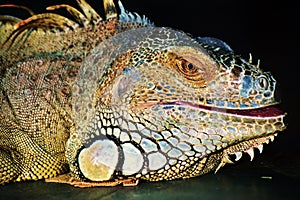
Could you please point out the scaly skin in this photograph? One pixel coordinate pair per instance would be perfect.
(95, 102)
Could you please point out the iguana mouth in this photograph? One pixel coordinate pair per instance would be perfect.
(267, 111)
(248, 147)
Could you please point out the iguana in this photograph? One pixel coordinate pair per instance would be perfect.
(100, 102)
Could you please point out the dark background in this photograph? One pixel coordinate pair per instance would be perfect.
(267, 30)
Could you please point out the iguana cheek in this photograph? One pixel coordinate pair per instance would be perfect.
(98, 162)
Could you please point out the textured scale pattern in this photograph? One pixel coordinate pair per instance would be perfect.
(113, 101)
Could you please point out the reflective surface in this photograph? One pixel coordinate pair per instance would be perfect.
(243, 181)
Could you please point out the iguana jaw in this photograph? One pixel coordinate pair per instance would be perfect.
(244, 147)
(224, 155)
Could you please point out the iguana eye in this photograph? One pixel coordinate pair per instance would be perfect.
(192, 64)
(187, 68)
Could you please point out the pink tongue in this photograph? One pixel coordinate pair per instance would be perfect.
(270, 111)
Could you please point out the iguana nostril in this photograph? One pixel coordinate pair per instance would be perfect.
(262, 83)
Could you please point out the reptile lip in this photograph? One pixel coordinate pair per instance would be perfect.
(268, 111)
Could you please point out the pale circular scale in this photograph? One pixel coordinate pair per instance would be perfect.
(172, 162)
(214, 137)
(166, 134)
(124, 125)
(217, 142)
(136, 137)
(167, 167)
(119, 121)
(189, 153)
(103, 131)
(113, 122)
(116, 132)
(193, 141)
(206, 141)
(156, 136)
(183, 137)
(98, 161)
(104, 122)
(156, 161)
(146, 132)
(184, 146)
(183, 157)
(210, 147)
(221, 132)
(197, 155)
(175, 131)
(140, 127)
(208, 152)
(109, 122)
(174, 153)
(144, 171)
(202, 136)
(199, 148)
(173, 141)
(164, 146)
(132, 126)
(133, 159)
(184, 129)
(109, 131)
(148, 145)
(124, 137)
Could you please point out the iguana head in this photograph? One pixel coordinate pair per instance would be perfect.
(158, 104)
